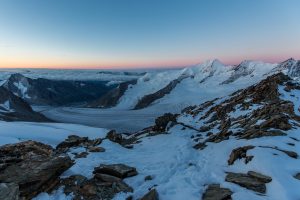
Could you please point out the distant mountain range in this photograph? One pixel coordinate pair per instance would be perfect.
(172, 90)
(176, 89)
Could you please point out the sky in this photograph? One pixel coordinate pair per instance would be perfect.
(146, 33)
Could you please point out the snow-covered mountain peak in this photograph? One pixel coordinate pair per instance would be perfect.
(290, 67)
(212, 66)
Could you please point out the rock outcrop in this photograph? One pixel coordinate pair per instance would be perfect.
(252, 180)
(117, 170)
(77, 141)
(105, 184)
(240, 153)
(215, 192)
(254, 112)
(32, 166)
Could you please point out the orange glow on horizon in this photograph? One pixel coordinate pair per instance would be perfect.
(127, 64)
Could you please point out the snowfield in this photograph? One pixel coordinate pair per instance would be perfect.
(182, 172)
(48, 133)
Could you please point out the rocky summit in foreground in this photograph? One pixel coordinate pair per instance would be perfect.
(243, 146)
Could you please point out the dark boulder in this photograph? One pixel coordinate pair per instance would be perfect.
(33, 166)
(215, 192)
(252, 180)
(118, 170)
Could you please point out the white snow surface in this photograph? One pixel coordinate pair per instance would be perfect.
(181, 172)
(48, 133)
(204, 82)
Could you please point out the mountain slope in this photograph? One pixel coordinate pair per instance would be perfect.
(203, 82)
(54, 92)
(241, 146)
(13, 108)
(112, 97)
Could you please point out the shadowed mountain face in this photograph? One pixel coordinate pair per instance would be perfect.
(54, 92)
(13, 108)
(112, 97)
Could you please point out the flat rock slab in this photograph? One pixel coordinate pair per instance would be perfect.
(118, 170)
(215, 192)
(252, 180)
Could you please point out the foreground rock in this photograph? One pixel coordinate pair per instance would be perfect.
(32, 166)
(239, 153)
(162, 122)
(76, 141)
(252, 180)
(215, 192)
(9, 191)
(105, 184)
(117, 170)
(151, 195)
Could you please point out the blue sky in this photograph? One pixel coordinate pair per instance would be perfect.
(145, 33)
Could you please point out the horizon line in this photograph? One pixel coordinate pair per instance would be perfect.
(141, 67)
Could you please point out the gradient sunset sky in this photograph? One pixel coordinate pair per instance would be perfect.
(146, 33)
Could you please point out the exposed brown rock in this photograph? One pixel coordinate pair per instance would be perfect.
(271, 115)
(215, 192)
(239, 153)
(77, 141)
(33, 166)
(162, 121)
(252, 180)
(114, 136)
(95, 188)
(72, 141)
